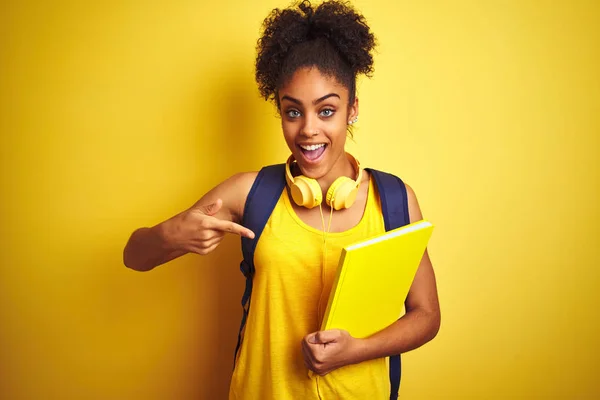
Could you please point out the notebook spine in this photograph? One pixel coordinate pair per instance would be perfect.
(334, 295)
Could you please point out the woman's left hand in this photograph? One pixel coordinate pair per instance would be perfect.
(327, 350)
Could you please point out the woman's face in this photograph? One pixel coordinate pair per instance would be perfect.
(314, 116)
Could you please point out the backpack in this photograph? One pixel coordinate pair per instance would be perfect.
(262, 198)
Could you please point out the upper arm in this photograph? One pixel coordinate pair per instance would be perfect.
(423, 292)
(233, 192)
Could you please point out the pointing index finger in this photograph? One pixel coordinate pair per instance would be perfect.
(232, 227)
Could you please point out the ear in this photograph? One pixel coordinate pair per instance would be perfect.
(353, 110)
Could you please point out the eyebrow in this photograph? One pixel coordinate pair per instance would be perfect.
(317, 101)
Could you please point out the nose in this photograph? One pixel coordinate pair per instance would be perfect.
(310, 127)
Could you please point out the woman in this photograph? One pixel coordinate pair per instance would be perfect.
(307, 63)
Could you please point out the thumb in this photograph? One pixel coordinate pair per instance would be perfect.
(211, 209)
(324, 337)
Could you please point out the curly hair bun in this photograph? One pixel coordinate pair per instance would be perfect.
(331, 36)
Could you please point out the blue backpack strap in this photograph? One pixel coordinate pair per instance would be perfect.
(261, 201)
(394, 206)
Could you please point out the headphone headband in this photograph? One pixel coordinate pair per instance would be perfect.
(355, 164)
(307, 192)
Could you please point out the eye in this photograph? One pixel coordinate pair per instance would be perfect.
(327, 112)
(293, 113)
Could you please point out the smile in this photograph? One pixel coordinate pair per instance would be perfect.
(312, 147)
(313, 152)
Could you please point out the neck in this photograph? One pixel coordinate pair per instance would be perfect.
(342, 167)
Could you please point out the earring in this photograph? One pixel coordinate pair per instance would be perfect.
(353, 121)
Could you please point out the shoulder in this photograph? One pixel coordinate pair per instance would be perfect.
(233, 192)
(243, 184)
(238, 187)
(243, 181)
(414, 210)
(239, 184)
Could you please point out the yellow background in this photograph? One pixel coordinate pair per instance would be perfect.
(118, 115)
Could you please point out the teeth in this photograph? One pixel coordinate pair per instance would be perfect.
(312, 147)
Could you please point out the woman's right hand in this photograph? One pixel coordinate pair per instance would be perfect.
(198, 229)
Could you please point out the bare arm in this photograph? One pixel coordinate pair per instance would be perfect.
(198, 229)
(421, 322)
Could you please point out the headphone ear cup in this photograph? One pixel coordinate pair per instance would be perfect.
(306, 192)
(342, 192)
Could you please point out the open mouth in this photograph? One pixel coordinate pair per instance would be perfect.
(314, 151)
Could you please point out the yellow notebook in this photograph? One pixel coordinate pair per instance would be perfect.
(373, 280)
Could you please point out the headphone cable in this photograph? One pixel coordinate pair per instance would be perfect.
(324, 263)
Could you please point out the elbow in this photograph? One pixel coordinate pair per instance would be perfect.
(430, 323)
(130, 262)
(436, 323)
(136, 267)
(428, 319)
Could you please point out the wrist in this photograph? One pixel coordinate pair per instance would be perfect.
(368, 348)
(361, 350)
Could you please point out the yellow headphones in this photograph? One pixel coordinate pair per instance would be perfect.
(306, 191)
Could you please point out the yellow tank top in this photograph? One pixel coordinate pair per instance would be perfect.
(284, 308)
